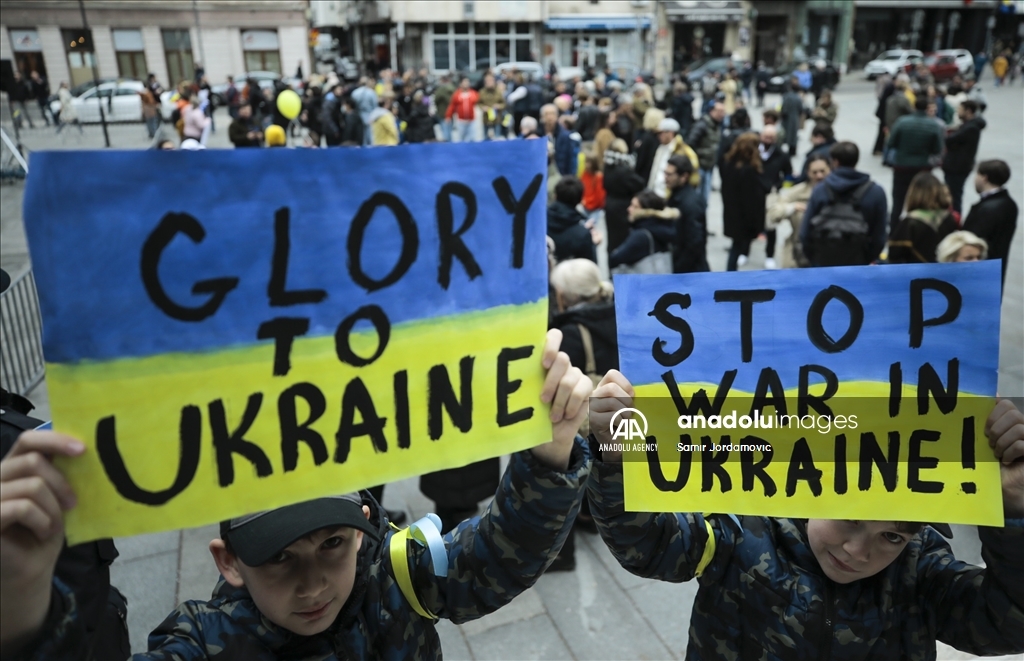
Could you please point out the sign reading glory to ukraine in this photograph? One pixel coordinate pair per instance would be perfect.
(841, 393)
(230, 331)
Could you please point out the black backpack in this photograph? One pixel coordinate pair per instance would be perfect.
(839, 233)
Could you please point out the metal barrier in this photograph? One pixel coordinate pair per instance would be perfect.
(21, 335)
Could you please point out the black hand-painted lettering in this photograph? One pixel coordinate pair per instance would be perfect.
(751, 469)
(672, 322)
(929, 383)
(357, 399)
(967, 453)
(916, 462)
(170, 226)
(895, 389)
(954, 301)
(506, 387)
(712, 465)
(292, 433)
(401, 387)
(658, 479)
(805, 400)
(441, 395)
(816, 332)
(407, 229)
(746, 298)
(277, 290)
(841, 480)
(451, 239)
(801, 467)
(283, 331)
(518, 209)
(699, 404)
(227, 443)
(189, 437)
(767, 380)
(887, 463)
(343, 347)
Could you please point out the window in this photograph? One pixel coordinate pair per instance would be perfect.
(131, 60)
(28, 52)
(78, 45)
(178, 49)
(479, 46)
(262, 51)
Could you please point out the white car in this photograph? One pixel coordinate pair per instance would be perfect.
(534, 70)
(893, 62)
(120, 99)
(964, 59)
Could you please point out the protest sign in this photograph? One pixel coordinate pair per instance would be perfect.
(846, 393)
(229, 331)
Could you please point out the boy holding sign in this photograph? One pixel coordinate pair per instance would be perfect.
(806, 589)
(317, 579)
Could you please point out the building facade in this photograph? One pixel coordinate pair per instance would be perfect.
(131, 38)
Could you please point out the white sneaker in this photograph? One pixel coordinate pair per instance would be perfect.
(741, 261)
(769, 264)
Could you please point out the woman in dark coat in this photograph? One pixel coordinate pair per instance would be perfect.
(621, 184)
(743, 197)
(420, 124)
(586, 316)
(927, 221)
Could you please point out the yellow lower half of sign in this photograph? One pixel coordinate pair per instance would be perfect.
(181, 440)
(860, 463)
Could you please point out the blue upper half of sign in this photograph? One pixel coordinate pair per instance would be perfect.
(779, 329)
(89, 214)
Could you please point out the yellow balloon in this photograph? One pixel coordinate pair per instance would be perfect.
(289, 104)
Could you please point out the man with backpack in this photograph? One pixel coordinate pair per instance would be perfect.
(845, 221)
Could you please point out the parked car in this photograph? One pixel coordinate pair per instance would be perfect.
(567, 74)
(964, 59)
(943, 67)
(79, 90)
(265, 79)
(534, 70)
(120, 99)
(780, 77)
(695, 73)
(893, 62)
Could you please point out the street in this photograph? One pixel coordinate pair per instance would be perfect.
(598, 611)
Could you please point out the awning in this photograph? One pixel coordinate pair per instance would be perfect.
(704, 11)
(598, 22)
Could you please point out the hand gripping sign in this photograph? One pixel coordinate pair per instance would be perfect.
(850, 393)
(233, 331)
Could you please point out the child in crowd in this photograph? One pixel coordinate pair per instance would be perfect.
(318, 579)
(824, 589)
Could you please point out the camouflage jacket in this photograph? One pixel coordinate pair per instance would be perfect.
(491, 559)
(762, 594)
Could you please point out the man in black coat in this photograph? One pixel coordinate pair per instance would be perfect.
(822, 137)
(994, 216)
(689, 252)
(566, 225)
(961, 148)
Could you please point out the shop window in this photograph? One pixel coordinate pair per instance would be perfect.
(502, 51)
(461, 28)
(501, 28)
(178, 50)
(462, 54)
(440, 28)
(442, 58)
(483, 54)
(522, 28)
(28, 52)
(523, 50)
(78, 45)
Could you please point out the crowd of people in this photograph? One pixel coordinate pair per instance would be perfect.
(632, 173)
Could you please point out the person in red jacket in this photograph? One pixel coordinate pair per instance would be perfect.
(593, 186)
(463, 108)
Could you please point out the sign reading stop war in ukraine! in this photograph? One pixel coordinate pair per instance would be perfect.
(845, 393)
(229, 331)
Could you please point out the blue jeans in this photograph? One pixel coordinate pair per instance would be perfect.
(705, 184)
(446, 129)
(464, 129)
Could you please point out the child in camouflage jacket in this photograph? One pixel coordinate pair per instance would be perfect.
(332, 593)
(823, 589)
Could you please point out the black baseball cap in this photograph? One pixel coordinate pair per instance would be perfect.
(943, 529)
(256, 538)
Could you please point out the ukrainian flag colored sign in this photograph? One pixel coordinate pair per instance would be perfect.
(230, 331)
(843, 393)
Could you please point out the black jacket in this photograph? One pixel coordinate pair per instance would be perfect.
(994, 218)
(599, 318)
(962, 146)
(821, 150)
(572, 239)
(918, 235)
(743, 200)
(352, 131)
(649, 144)
(689, 251)
(621, 184)
(648, 224)
(776, 169)
(587, 122)
(682, 111)
(420, 126)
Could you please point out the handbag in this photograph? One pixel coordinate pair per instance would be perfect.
(655, 262)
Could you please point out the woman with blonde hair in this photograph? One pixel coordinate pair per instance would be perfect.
(743, 197)
(926, 221)
(962, 246)
(586, 316)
